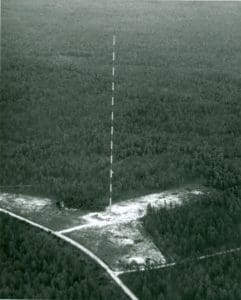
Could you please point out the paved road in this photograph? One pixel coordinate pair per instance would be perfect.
(100, 262)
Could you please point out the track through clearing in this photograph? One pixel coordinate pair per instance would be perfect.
(100, 262)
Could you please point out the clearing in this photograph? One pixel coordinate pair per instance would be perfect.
(117, 237)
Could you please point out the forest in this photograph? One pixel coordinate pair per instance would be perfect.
(36, 265)
(200, 226)
(177, 111)
(177, 122)
(216, 278)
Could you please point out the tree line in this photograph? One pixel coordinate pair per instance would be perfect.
(36, 265)
(216, 278)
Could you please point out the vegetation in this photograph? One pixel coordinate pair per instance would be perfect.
(47, 268)
(177, 121)
(204, 225)
(177, 111)
(217, 278)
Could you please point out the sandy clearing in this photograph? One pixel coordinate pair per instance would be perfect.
(117, 236)
(89, 253)
(41, 210)
(169, 265)
(118, 244)
(24, 203)
(130, 210)
(120, 232)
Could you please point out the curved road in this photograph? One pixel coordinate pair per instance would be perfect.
(100, 262)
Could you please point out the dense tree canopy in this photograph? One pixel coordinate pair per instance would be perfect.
(216, 278)
(177, 121)
(36, 265)
(177, 110)
(203, 224)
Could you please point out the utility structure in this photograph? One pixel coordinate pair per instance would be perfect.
(112, 119)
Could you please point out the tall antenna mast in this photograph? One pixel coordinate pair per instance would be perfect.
(112, 118)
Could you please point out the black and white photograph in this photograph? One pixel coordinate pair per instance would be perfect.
(120, 150)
